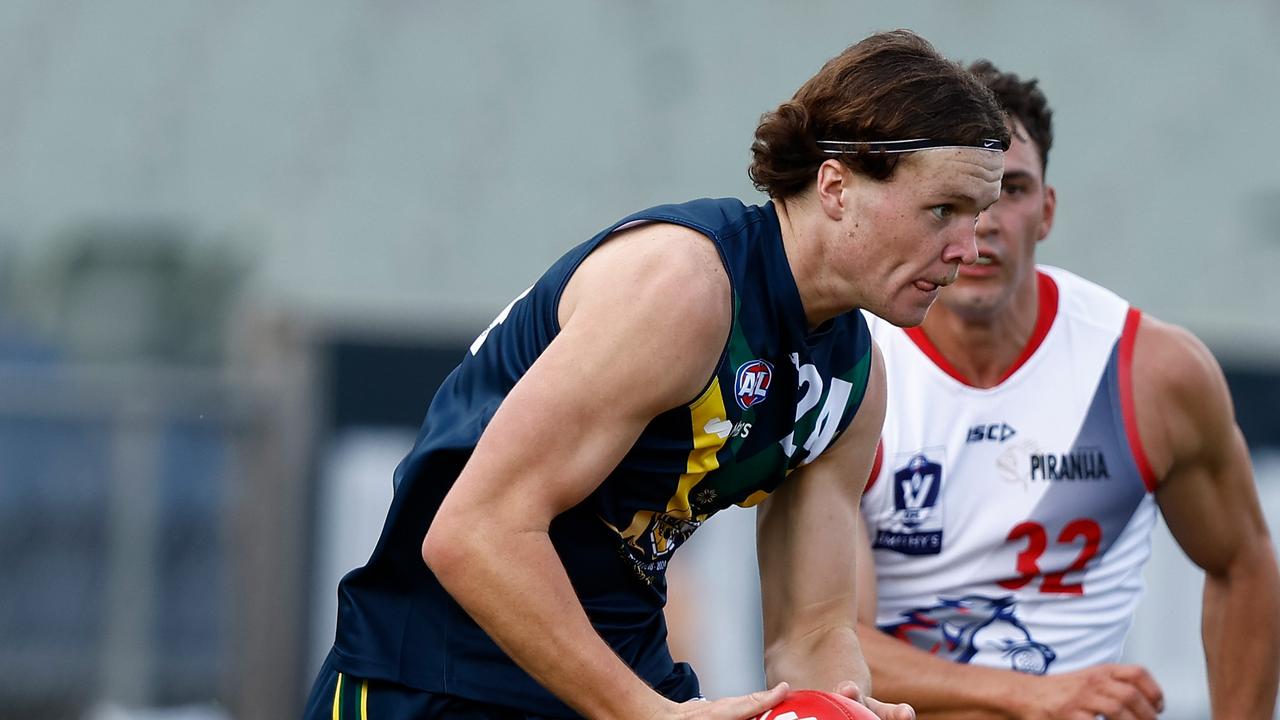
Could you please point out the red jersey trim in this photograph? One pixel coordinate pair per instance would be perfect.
(875, 466)
(1127, 406)
(1045, 314)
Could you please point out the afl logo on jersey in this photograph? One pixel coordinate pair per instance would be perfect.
(752, 383)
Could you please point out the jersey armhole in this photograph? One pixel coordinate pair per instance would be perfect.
(1128, 407)
(553, 310)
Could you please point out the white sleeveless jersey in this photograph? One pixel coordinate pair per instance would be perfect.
(1010, 524)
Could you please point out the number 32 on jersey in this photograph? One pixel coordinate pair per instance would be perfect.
(1037, 539)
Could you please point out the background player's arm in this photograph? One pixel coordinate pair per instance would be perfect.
(644, 321)
(1208, 498)
(940, 689)
(807, 569)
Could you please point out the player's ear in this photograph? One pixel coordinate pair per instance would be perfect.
(1050, 205)
(833, 180)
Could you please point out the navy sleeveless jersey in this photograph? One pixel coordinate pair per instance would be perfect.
(779, 397)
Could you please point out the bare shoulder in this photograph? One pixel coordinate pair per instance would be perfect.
(1174, 358)
(657, 268)
(1198, 454)
(657, 295)
(1180, 394)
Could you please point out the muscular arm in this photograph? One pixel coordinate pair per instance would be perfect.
(628, 321)
(807, 568)
(1207, 495)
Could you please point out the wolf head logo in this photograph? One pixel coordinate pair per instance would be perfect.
(958, 628)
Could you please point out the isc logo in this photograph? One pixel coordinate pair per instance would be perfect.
(996, 432)
(752, 382)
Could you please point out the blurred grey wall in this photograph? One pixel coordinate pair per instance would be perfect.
(416, 164)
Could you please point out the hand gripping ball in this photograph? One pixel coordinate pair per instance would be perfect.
(817, 705)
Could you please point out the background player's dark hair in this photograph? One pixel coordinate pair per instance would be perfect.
(890, 86)
(1021, 99)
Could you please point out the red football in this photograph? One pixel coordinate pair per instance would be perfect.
(817, 705)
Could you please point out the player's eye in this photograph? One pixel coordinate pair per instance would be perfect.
(942, 212)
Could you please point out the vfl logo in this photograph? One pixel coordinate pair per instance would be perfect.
(915, 490)
(960, 628)
(916, 525)
(752, 383)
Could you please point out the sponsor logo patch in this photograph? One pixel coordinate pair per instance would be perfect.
(995, 432)
(1079, 464)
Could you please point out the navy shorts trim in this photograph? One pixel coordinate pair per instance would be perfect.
(340, 696)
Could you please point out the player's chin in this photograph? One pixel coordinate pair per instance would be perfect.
(908, 314)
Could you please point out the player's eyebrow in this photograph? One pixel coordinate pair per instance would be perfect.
(957, 196)
(1017, 175)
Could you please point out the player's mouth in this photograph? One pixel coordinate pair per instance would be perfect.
(987, 256)
(930, 286)
(987, 265)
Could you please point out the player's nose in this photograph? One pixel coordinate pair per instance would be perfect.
(962, 248)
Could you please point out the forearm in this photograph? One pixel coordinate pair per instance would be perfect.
(518, 592)
(1241, 629)
(933, 686)
(818, 660)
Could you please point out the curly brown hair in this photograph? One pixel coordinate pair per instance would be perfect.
(891, 86)
(1023, 100)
